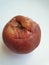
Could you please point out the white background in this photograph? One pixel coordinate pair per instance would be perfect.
(38, 10)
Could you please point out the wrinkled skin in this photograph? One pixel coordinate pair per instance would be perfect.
(21, 34)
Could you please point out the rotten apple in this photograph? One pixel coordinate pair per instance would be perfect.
(21, 34)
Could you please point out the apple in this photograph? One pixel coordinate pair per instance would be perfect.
(21, 34)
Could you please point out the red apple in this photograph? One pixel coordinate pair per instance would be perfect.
(21, 34)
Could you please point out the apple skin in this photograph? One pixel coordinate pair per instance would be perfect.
(21, 34)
